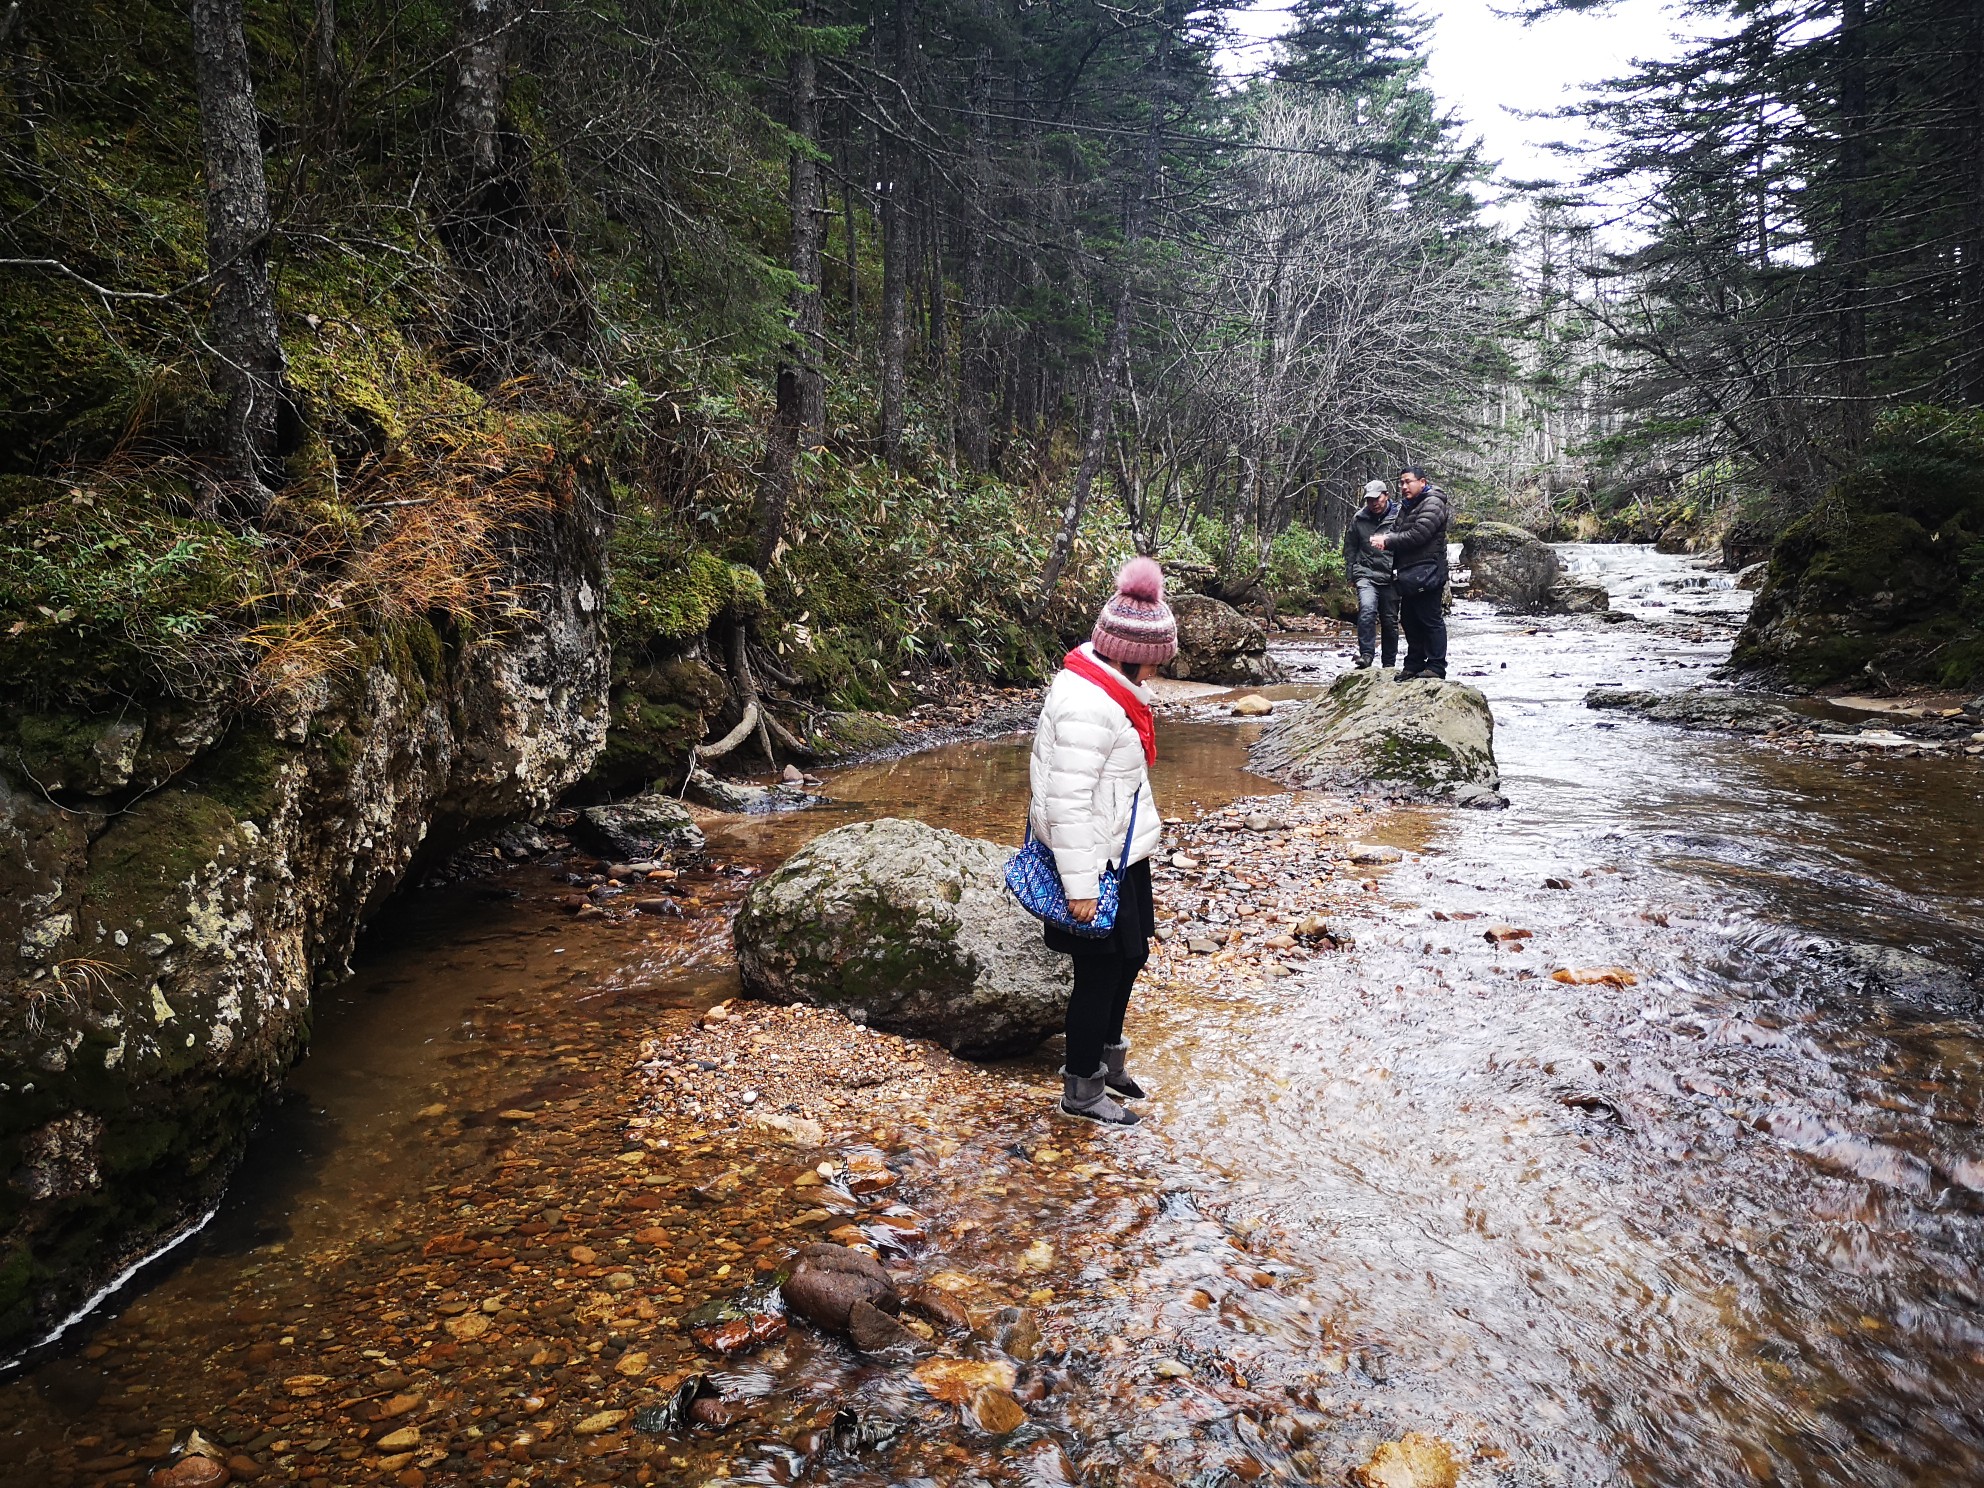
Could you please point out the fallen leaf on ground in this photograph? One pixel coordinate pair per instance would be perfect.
(1593, 976)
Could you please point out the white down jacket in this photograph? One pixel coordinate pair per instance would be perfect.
(1087, 764)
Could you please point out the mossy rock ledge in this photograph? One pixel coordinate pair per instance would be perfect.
(175, 883)
(909, 928)
(1425, 739)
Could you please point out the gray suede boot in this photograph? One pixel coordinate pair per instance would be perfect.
(1087, 1096)
(1120, 1084)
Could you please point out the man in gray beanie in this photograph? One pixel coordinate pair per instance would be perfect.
(1370, 569)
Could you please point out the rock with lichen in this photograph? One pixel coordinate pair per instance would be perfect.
(1426, 738)
(178, 877)
(909, 928)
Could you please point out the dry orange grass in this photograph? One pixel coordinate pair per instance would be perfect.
(426, 533)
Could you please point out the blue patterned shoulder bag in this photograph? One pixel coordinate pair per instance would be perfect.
(1033, 878)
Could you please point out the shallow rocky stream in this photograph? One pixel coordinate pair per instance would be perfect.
(1722, 1224)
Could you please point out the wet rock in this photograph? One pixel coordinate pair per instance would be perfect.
(1509, 565)
(874, 1331)
(190, 1472)
(824, 1282)
(905, 927)
(1425, 737)
(1478, 798)
(1216, 643)
(1751, 577)
(996, 1412)
(1573, 597)
(956, 1381)
(695, 1402)
(643, 827)
(750, 800)
(939, 1306)
(1700, 707)
(600, 1422)
(800, 1131)
(1017, 1334)
(1253, 705)
(1416, 1460)
(1369, 856)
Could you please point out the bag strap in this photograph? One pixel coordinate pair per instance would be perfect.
(1123, 858)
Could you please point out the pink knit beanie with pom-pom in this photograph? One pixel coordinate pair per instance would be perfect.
(1137, 625)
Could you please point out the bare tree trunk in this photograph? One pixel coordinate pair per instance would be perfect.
(1973, 289)
(852, 245)
(1116, 354)
(938, 344)
(1851, 244)
(801, 405)
(974, 372)
(242, 324)
(896, 259)
(895, 314)
(324, 48)
(478, 102)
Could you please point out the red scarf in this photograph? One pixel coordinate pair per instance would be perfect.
(1112, 682)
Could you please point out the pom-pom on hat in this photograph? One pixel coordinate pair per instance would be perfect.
(1137, 625)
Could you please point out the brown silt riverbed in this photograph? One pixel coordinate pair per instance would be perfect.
(1684, 1185)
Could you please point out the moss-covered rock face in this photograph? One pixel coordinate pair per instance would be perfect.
(1884, 582)
(909, 928)
(176, 880)
(1426, 737)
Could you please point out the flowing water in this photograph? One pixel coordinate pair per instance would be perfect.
(1723, 1224)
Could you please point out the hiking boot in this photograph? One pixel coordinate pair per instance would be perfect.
(1087, 1096)
(1363, 662)
(1119, 1082)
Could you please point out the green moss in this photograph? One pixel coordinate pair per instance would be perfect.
(106, 594)
(244, 773)
(662, 588)
(146, 853)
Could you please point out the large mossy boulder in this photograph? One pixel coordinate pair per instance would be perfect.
(1509, 565)
(905, 927)
(1882, 584)
(1424, 738)
(1216, 643)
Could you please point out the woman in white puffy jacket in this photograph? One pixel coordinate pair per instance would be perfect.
(1090, 772)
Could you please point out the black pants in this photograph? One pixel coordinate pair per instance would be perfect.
(1106, 972)
(1424, 620)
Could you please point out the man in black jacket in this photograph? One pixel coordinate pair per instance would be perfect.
(1418, 546)
(1370, 569)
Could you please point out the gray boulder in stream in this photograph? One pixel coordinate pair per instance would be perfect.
(1700, 708)
(1216, 643)
(905, 927)
(1509, 565)
(1426, 737)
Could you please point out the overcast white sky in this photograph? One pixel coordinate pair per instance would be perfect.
(1483, 66)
